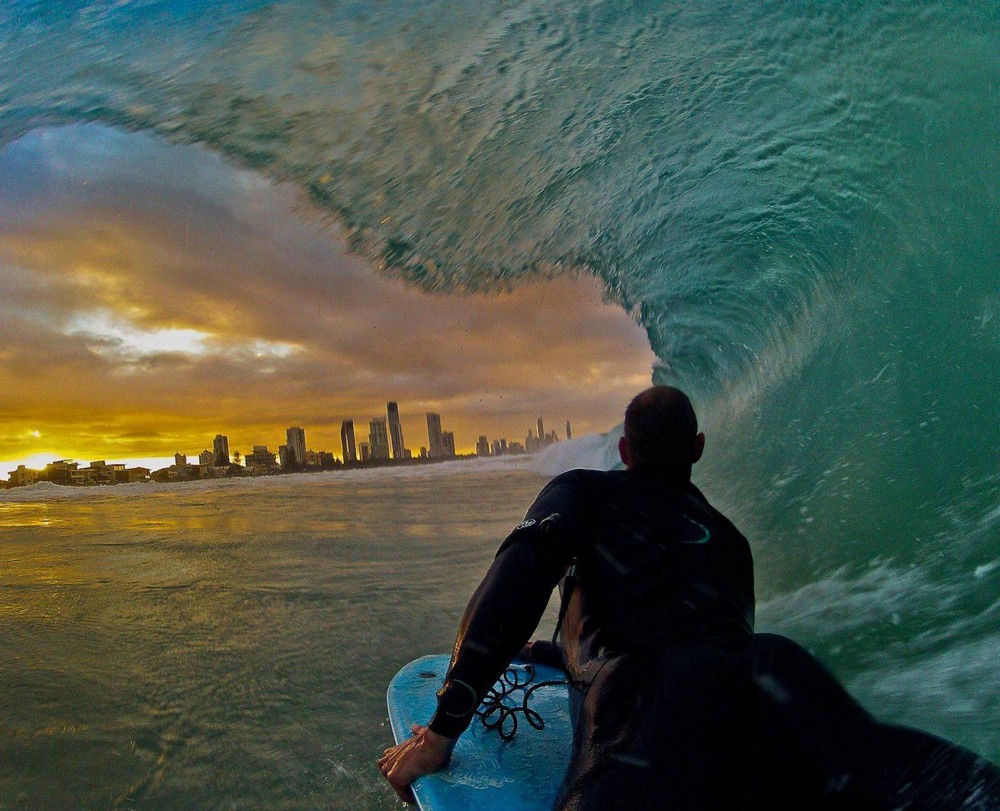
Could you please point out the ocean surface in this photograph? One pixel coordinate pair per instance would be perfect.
(799, 202)
(228, 645)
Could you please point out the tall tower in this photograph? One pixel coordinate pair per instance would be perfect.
(296, 439)
(220, 447)
(347, 440)
(541, 430)
(447, 443)
(378, 438)
(569, 430)
(435, 446)
(395, 430)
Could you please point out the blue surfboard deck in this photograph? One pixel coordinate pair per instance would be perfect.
(487, 773)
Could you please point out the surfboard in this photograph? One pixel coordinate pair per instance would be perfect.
(518, 771)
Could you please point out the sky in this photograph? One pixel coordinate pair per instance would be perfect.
(153, 296)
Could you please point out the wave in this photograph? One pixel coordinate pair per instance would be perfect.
(593, 451)
(798, 203)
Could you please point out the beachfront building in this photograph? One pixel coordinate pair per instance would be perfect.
(447, 443)
(534, 443)
(261, 461)
(23, 476)
(101, 472)
(483, 446)
(347, 441)
(378, 438)
(435, 446)
(63, 471)
(296, 439)
(220, 447)
(395, 431)
(67, 472)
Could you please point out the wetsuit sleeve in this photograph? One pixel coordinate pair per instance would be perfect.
(507, 606)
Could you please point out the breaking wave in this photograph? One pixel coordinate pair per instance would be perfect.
(798, 204)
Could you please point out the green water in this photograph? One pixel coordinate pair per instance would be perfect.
(228, 646)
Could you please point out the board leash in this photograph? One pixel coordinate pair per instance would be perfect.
(503, 717)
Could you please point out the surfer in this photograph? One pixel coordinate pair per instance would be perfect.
(675, 702)
(656, 627)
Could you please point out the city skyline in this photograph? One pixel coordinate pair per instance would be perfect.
(135, 325)
(294, 453)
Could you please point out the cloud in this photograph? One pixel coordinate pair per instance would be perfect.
(153, 294)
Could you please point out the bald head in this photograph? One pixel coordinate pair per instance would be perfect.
(661, 430)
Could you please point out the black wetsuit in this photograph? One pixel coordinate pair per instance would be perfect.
(676, 703)
(656, 637)
(818, 748)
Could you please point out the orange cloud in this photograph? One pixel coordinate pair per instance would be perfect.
(143, 315)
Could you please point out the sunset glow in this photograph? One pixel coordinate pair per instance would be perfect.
(137, 325)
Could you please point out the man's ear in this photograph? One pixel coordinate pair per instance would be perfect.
(699, 448)
(625, 452)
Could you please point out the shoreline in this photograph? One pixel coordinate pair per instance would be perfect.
(471, 464)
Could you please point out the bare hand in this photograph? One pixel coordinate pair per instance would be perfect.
(422, 753)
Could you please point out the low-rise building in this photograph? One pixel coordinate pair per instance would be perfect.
(23, 476)
(261, 462)
(103, 473)
(64, 471)
(133, 474)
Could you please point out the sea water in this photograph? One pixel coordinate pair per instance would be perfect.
(228, 645)
(797, 201)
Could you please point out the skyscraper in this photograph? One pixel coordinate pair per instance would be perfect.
(541, 430)
(435, 446)
(447, 443)
(395, 430)
(378, 438)
(347, 440)
(296, 439)
(483, 447)
(220, 448)
(569, 430)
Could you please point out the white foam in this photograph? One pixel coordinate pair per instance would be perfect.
(986, 568)
(844, 601)
(953, 692)
(593, 451)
